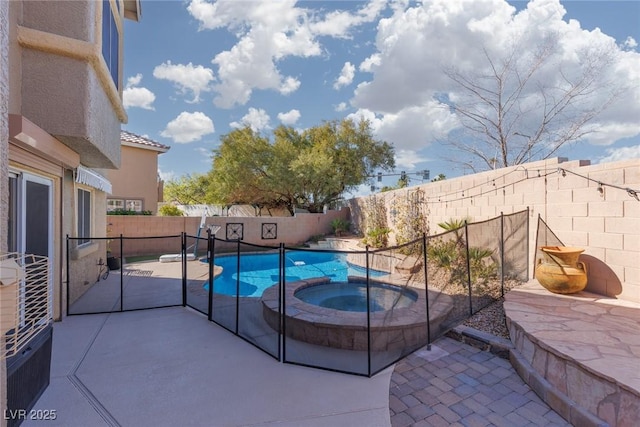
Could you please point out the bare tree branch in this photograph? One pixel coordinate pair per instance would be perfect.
(515, 109)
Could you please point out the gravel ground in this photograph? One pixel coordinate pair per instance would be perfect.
(491, 320)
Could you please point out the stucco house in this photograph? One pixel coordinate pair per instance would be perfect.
(61, 110)
(136, 185)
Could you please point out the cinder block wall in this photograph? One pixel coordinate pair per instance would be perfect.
(606, 224)
(289, 230)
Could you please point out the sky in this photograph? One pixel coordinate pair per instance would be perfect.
(196, 70)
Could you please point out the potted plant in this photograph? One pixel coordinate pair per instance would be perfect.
(112, 262)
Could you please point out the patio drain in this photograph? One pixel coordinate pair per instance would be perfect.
(139, 273)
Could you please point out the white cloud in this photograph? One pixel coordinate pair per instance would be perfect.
(412, 128)
(289, 85)
(623, 153)
(188, 127)
(187, 78)
(133, 96)
(338, 24)
(205, 155)
(630, 43)
(420, 40)
(369, 64)
(256, 119)
(167, 175)
(289, 118)
(269, 31)
(134, 80)
(346, 76)
(341, 107)
(408, 159)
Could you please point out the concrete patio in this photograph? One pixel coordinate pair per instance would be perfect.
(171, 366)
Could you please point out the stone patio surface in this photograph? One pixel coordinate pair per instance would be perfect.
(579, 351)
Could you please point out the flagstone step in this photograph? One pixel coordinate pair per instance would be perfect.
(579, 352)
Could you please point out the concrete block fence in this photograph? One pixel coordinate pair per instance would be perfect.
(268, 231)
(579, 202)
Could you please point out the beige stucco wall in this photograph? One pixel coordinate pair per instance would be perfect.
(137, 177)
(4, 166)
(607, 225)
(54, 39)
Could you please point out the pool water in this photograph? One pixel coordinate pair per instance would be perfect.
(353, 296)
(260, 271)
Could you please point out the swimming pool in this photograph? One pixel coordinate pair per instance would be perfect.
(260, 271)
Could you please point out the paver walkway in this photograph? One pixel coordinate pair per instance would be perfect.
(455, 384)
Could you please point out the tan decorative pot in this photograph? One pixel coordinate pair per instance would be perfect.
(560, 271)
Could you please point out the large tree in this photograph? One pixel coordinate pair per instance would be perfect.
(524, 105)
(306, 169)
(186, 190)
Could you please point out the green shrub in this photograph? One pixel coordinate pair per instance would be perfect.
(170, 210)
(128, 212)
(481, 269)
(443, 253)
(340, 225)
(377, 237)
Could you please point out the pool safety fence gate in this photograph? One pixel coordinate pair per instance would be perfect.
(352, 311)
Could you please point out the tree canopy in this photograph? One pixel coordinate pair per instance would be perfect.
(307, 169)
(186, 190)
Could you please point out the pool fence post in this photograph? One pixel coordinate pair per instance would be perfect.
(210, 254)
(284, 302)
(238, 286)
(68, 274)
(466, 238)
(368, 314)
(501, 254)
(280, 303)
(426, 288)
(121, 274)
(527, 240)
(183, 249)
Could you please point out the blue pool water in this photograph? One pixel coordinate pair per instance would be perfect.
(353, 296)
(260, 271)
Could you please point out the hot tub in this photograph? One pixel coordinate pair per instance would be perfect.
(398, 322)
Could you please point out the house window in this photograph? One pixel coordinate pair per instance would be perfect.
(84, 216)
(134, 205)
(114, 204)
(110, 40)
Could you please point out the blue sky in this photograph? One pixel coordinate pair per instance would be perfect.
(195, 70)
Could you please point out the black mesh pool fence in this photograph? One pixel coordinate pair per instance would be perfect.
(356, 311)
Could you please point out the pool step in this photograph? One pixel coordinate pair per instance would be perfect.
(335, 243)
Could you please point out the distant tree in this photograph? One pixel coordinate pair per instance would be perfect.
(170, 210)
(525, 106)
(403, 181)
(187, 190)
(440, 177)
(306, 170)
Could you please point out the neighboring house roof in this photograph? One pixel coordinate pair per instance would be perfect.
(133, 140)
